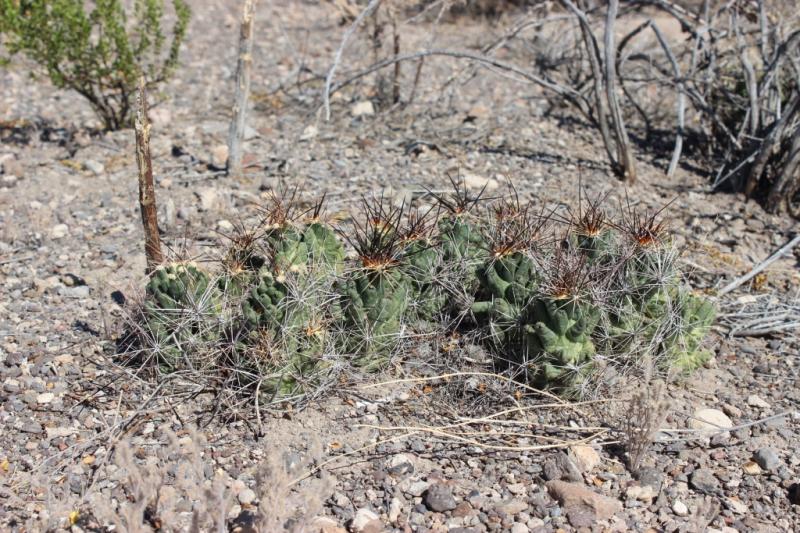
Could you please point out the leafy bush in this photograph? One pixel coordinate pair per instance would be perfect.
(99, 53)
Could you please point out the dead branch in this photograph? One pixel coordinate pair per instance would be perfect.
(147, 194)
(243, 68)
(760, 267)
(373, 4)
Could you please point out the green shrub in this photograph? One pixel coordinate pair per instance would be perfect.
(99, 53)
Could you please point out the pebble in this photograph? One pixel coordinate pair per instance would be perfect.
(680, 509)
(366, 521)
(439, 498)
(756, 401)
(704, 481)
(767, 458)
(95, 167)
(364, 108)
(219, 156)
(246, 497)
(585, 457)
(59, 231)
(710, 421)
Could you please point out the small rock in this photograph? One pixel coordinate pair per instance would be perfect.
(756, 401)
(246, 497)
(516, 488)
(439, 498)
(361, 109)
(475, 182)
(219, 156)
(794, 494)
(560, 466)
(160, 117)
(399, 465)
(210, 198)
(731, 410)
(643, 493)
(366, 521)
(585, 457)
(737, 506)
(225, 226)
(12, 167)
(417, 488)
(703, 480)
(95, 167)
(395, 508)
(751, 468)
(511, 507)
(519, 528)
(767, 458)
(309, 133)
(59, 231)
(577, 500)
(8, 180)
(45, 397)
(680, 509)
(710, 421)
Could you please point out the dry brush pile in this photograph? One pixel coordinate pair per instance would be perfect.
(557, 298)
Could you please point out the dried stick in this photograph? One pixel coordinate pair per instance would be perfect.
(768, 146)
(624, 155)
(593, 52)
(147, 194)
(338, 57)
(568, 93)
(676, 152)
(243, 68)
(760, 267)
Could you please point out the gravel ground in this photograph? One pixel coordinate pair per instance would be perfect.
(71, 253)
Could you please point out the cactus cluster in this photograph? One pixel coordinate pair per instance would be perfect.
(552, 295)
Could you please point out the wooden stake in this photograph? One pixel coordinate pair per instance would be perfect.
(147, 194)
(236, 132)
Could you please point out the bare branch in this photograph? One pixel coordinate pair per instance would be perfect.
(147, 194)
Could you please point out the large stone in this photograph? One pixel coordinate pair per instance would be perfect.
(581, 503)
(710, 421)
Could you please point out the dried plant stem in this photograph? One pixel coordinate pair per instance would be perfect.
(243, 68)
(760, 267)
(147, 194)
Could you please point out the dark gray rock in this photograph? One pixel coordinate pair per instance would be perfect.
(439, 498)
(703, 480)
(768, 459)
(560, 466)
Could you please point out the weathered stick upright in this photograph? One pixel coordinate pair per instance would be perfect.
(147, 194)
(236, 132)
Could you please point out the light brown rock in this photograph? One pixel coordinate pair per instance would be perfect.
(585, 457)
(577, 498)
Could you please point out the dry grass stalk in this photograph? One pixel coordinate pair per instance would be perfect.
(645, 414)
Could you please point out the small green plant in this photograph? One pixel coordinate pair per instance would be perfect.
(99, 53)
